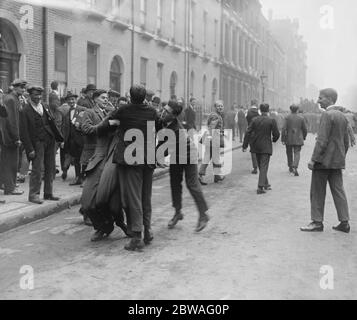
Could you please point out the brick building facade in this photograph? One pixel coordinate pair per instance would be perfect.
(189, 48)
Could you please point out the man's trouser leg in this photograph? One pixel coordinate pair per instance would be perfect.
(133, 182)
(289, 154)
(263, 163)
(335, 180)
(146, 196)
(241, 133)
(254, 161)
(176, 177)
(318, 194)
(194, 187)
(10, 158)
(206, 159)
(37, 168)
(297, 151)
(49, 166)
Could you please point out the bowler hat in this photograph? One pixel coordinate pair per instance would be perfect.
(90, 87)
(35, 89)
(70, 95)
(19, 83)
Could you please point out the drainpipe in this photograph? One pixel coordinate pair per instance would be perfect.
(44, 51)
(132, 43)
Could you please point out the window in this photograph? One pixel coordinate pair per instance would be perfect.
(143, 7)
(192, 22)
(227, 41)
(205, 14)
(61, 61)
(143, 71)
(214, 91)
(160, 69)
(115, 74)
(192, 84)
(235, 47)
(159, 15)
(215, 35)
(92, 61)
(204, 89)
(173, 18)
(173, 83)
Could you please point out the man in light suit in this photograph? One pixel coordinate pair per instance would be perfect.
(253, 112)
(327, 162)
(294, 134)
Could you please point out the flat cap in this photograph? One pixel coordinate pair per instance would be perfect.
(98, 93)
(35, 89)
(19, 83)
(70, 95)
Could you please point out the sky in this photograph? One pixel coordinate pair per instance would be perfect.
(332, 52)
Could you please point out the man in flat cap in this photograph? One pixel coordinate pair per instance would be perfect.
(11, 141)
(73, 136)
(39, 135)
(88, 101)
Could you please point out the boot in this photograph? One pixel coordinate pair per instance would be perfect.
(135, 243)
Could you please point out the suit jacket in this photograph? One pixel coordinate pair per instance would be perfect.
(28, 132)
(252, 113)
(136, 116)
(190, 118)
(294, 131)
(89, 126)
(332, 141)
(260, 134)
(242, 121)
(73, 137)
(10, 125)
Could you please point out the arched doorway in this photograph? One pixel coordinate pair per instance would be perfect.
(173, 84)
(116, 71)
(9, 55)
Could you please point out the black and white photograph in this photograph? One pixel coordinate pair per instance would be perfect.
(178, 150)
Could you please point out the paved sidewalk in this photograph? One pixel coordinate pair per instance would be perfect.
(17, 211)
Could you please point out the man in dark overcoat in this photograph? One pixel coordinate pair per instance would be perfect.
(88, 100)
(10, 142)
(39, 134)
(260, 134)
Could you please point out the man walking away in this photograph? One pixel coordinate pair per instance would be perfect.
(327, 162)
(261, 133)
(294, 134)
(253, 112)
(242, 124)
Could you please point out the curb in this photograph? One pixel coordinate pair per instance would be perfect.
(15, 219)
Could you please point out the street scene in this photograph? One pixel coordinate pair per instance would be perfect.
(177, 150)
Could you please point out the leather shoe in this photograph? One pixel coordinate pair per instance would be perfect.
(313, 227)
(343, 227)
(255, 171)
(135, 244)
(77, 182)
(291, 170)
(64, 175)
(14, 193)
(51, 197)
(218, 179)
(202, 222)
(36, 200)
(200, 179)
(261, 191)
(173, 222)
(296, 173)
(268, 188)
(148, 236)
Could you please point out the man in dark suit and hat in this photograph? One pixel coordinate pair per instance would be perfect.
(262, 131)
(88, 101)
(10, 138)
(39, 135)
(73, 136)
(253, 112)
